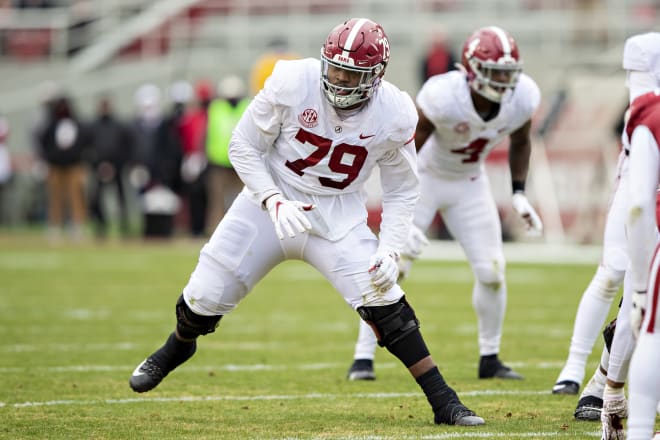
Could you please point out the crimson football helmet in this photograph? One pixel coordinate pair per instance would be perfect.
(492, 62)
(357, 45)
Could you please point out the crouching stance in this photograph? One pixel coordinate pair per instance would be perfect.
(304, 148)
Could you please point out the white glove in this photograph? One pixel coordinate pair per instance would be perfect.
(527, 213)
(415, 244)
(288, 214)
(384, 270)
(637, 312)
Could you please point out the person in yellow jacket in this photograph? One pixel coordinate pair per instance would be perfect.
(223, 184)
(277, 50)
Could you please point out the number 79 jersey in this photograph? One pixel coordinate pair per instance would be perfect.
(312, 153)
(462, 140)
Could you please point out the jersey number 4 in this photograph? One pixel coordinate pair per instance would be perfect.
(337, 162)
(472, 151)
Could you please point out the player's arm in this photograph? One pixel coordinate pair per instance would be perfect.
(641, 227)
(400, 185)
(640, 222)
(423, 130)
(520, 149)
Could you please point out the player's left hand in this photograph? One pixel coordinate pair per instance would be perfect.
(637, 312)
(528, 214)
(384, 270)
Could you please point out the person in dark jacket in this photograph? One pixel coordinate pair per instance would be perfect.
(111, 149)
(63, 143)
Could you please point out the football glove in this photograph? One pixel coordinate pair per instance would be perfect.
(384, 270)
(525, 210)
(637, 312)
(415, 244)
(288, 215)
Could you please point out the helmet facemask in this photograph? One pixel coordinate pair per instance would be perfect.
(492, 79)
(343, 96)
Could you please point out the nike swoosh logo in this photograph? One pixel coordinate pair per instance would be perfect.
(366, 137)
(137, 371)
(558, 387)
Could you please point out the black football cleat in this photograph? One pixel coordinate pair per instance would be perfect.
(456, 413)
(588, 409)
(566, 387)
(491, 367)
(362, 369)
(153, 369)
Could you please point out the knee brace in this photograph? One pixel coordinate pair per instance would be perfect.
(190, 325)
(391, 323)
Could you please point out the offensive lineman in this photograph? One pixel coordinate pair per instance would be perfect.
(304, 148)
(463, 115)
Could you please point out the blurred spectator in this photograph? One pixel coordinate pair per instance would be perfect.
(278, 49)
(224, 113)
(63, 144)
(438, 59)
(111, 149)
(193, 168)
(5, 167)
(157, 162)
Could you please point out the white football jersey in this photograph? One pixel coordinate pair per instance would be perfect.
(291, 140)
(462, 139)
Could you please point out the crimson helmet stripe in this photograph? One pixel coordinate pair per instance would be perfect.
(352, 35)
(504, 40)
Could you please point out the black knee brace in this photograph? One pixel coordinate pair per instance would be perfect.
(190, 325)
(392, 322)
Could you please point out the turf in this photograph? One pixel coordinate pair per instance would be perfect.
(76, 319)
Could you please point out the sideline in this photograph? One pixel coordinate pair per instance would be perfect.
(517, 252)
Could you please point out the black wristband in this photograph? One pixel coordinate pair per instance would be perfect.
(518, 186)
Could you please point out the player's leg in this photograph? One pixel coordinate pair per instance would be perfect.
(240, 252)
(644, 380)
(362, 367)
(345, 264)
(599, 294)
(615, 407)
(474, 222)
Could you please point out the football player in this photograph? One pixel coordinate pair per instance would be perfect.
(463, 115)
(304, 148)
(641, 60)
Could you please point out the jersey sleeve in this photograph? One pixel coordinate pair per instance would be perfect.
(641, 220)
(531, 96)
(399, 179)
(428, 98)
(257, 131)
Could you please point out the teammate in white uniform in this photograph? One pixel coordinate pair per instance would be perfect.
(304, 149)
(641, 59)
(463, 115)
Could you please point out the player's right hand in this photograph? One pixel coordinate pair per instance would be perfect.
(288, 215)
(637, 312)
(383, 270)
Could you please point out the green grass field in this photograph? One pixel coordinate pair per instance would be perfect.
(75, 320)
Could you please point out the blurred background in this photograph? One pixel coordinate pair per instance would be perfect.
(126, 88)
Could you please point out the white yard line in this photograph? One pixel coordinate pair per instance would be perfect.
(245, 367)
